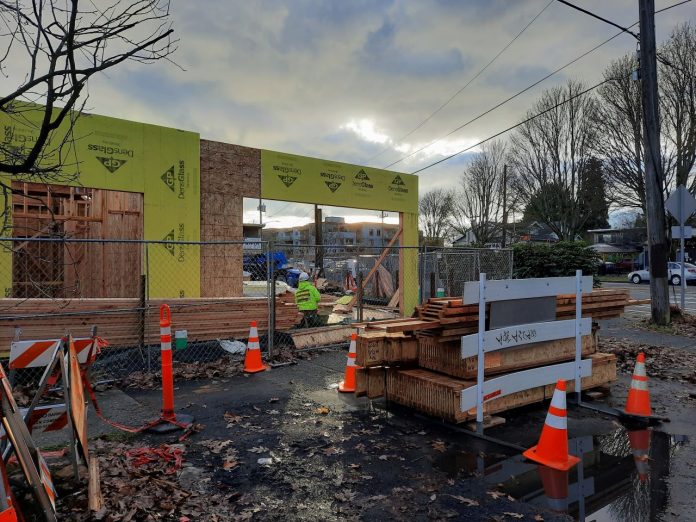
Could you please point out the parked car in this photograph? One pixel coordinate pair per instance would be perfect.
(673, 274)
(625, 265)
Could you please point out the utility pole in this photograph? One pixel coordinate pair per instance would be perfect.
(319, 240)
(655, 206)
(505, 211)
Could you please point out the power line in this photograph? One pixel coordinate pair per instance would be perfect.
(527, 120)
(497, 106)
(462, 89)
(593, 15)
(525, 89)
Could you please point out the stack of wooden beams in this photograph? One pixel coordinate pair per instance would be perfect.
(121, 321)
(417, 361)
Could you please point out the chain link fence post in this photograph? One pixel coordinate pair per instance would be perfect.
(272, 300)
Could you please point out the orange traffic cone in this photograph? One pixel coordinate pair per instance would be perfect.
(638, 402)
(552, 450)
(252, 358)
(347, 385)
(640, 445)
(555, 484)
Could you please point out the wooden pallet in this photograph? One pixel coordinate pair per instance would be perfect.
(446, 357)
(439, 395)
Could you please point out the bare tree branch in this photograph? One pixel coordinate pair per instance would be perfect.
(478, 205)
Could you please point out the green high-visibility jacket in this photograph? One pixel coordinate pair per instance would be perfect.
(307, 297)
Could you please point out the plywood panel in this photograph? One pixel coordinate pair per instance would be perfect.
(229, 173)
(77, 269)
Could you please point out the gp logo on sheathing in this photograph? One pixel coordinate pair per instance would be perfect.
(287, 174)
(362, 180)
(171, 248)
(168, 246)
(170, 177)
(333, 185)
(398, 185)
(112, 164)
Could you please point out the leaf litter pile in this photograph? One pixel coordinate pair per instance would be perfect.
(139, 482)
(661, 362)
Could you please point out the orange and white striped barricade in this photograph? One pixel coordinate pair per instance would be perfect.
(44, 353)
(169, 420)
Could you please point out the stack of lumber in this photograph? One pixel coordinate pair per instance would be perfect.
(456, 319)
(122, 321)
(417, 361)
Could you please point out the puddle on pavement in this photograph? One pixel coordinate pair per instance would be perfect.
(623, 476)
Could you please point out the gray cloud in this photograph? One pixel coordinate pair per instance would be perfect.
(291, 74)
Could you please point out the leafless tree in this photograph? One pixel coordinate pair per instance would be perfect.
(435, 211)
(551, 152)
(56, 47)
(620, 126)
(619, 123)
(677, 58)
(478, 206)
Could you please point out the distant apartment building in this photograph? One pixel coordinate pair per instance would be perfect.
(335, 232)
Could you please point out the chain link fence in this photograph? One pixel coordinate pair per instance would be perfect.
(55, 286)
(444, 271)
(58, 286)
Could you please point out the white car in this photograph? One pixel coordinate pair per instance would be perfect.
(673, 273)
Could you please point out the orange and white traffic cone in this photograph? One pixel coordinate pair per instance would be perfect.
(638, 402)
(347, 385)
(552, 450)
(640, 446)
(252, 357)
(555, 484)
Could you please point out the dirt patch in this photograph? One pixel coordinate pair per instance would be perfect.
(661, 362)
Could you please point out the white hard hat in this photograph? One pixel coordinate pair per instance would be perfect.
(304, 276)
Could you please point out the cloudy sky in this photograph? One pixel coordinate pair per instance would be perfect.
(350, 79)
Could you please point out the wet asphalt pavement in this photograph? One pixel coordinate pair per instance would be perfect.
(334, 457)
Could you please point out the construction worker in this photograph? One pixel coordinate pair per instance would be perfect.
(307, 298)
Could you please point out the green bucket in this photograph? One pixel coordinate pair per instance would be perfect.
(440, 292)
(180, 339)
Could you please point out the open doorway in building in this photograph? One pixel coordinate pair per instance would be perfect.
(64, 269)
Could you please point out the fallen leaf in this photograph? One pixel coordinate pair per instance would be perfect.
(439, 445)
(216, 446)
(232, 418)
(229, 464)
(258, 449)
(469, 502)
(383, 457)
(538, 518)
(495, 494)
(323, 410)
(513, 515)
(273, 399)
